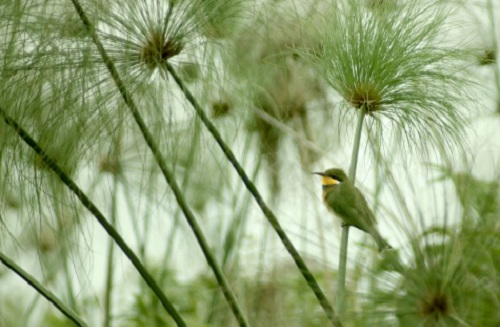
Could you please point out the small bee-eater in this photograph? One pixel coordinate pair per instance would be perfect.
(346, 201)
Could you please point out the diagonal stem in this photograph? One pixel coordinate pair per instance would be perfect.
(46, 293)
(169, 177)
(97, 214)
(340, 303)
(308, 276)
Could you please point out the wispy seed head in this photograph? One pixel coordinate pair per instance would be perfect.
(158, 48)
(435, 306)
(365, 94)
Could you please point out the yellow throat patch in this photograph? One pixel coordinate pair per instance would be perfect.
(327, 180)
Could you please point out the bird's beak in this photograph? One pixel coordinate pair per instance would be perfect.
(318, 173)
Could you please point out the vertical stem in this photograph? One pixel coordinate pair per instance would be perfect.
(340, 304)
(64, 236)
(355, 148)
(491, 17)
(115, 156)
(108, 292)
(342, 269)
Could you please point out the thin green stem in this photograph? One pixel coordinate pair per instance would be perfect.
(306, 273)
(28, 313)
(169, 177)
(64, 242)
(340, 304)
(491, 17)
(97, 214)
(234, 236)
(355, 147)
(193, 149)
(108, 292)
(46, 293)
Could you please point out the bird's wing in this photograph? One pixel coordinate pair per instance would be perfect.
(341, 201)
(341, 198)
(364, 204)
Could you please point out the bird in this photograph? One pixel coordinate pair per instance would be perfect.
(346, 201)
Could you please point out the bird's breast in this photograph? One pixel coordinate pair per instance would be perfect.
(326, 191)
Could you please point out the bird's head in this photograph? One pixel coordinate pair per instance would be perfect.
(332, 176)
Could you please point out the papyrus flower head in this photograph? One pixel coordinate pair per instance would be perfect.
(392, 61)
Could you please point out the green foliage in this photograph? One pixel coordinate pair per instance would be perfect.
(451, 283)
(481, 196)
(263, 71)
(189, 298)
(392, 60)
(269, 302)
(279, 86)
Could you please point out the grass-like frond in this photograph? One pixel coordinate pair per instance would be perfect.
(445, 275)
(278, 87)
(392, 60)
(431, 285)
(142, 36)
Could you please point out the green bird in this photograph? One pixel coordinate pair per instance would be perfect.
(345, 200)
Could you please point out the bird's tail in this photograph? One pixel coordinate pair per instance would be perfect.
(381, 242)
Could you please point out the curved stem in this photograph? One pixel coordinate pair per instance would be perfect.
(42, 290)
(306, 273)
(169, 176)
(98, 215)
(340, 303)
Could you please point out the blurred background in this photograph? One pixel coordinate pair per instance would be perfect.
(246, 63)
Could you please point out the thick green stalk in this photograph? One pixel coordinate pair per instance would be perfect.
(169, 176)
(98, 215)
(306, 273)
(42, 290)
(340, 304)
